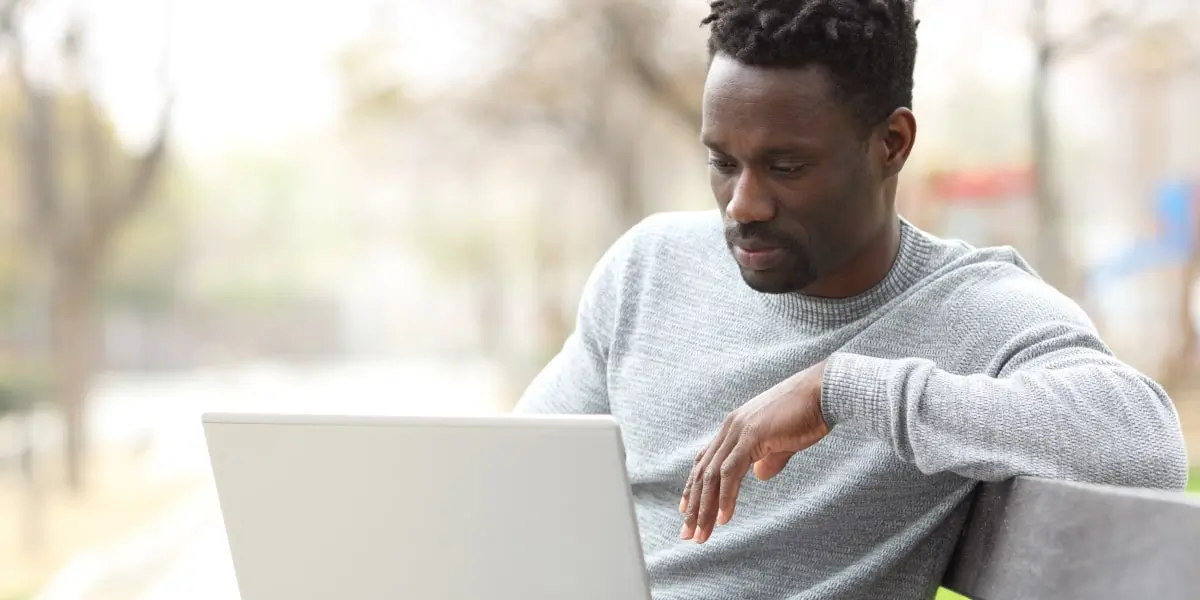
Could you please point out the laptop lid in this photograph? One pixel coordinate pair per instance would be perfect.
(452, 508)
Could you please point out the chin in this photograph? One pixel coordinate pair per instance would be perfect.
(768, 282)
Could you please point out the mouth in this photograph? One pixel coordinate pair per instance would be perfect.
(758, 257)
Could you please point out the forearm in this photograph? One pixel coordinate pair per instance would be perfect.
(1079, 415)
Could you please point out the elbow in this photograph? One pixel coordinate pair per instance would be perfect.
(1149, 451)
(1174, 466)
(1163, 449)
(1161, 463)
(1151, 462)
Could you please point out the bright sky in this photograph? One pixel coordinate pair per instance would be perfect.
(257, 72)
(252, 72)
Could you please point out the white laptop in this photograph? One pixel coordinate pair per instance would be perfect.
(426, 508)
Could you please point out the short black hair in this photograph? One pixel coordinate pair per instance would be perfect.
(868, 47)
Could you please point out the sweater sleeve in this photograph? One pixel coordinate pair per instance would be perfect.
(575, 381)
(1059, 405)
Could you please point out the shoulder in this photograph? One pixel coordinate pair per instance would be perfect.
(999, 309)
(993, 281)
(999, 283)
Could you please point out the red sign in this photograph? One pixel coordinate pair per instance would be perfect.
(981, 186)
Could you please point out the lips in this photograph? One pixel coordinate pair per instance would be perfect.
(755, 257)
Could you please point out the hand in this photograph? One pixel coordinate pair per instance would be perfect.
(764, 432)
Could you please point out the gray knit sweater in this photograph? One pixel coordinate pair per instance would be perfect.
(960, 366)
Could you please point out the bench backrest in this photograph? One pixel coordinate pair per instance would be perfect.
(1032, 538)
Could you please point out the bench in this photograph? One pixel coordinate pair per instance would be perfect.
(1031, 539)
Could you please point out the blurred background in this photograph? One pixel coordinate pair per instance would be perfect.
(390, 206)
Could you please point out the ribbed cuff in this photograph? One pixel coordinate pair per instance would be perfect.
(854, 391)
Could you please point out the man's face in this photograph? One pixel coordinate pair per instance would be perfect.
(801, 189)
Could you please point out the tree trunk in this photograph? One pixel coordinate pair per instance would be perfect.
(74, 347)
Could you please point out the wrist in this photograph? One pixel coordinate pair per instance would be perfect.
(852, 389)
(816, 398)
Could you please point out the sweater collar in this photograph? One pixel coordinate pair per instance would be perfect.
(910, 266)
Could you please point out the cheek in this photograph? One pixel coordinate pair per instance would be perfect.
(859, 218)
(810, 200)
(825, 210)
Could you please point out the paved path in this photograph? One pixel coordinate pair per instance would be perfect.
(201, 570)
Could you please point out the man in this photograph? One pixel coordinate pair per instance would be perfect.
(871, 373)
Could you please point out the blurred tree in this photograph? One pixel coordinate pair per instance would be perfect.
(597, 72)
(142, 271)
(1159, 56)
(80, 188)
(584, 77)
(1105, 21)
(384, 123)
(372, 87)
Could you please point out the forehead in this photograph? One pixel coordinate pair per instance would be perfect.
(769, 105)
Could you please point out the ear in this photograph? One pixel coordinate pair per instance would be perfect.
(897, 134)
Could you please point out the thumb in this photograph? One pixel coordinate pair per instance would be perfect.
(771, 465)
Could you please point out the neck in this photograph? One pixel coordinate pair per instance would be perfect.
(866, 269)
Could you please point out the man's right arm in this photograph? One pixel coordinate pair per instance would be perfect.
(576, 380)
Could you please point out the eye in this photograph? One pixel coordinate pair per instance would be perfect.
(722, 165)
(789, 169)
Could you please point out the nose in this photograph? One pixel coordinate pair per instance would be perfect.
(750, 202)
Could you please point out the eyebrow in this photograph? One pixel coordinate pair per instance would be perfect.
(802, 147)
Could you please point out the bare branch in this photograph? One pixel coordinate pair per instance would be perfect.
(655, 83)
(114, 209)
(116, 204)
(1103, 27)
(36, 140)
(629, 46)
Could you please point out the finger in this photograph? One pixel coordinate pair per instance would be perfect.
(687, 488)
(695, 487)
(772, 465)
(714, 478)
(734, 471)
(691, 485)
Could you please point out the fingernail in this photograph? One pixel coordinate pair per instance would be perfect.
(683, 505)
(722, 517)
(701, 536)
(686, 532)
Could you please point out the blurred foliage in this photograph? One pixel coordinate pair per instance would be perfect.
(11, 263)
(372, 89)
(143, 257)
(22, 385)
(146, 260)
(280, 234)
(454, 249)
(11, 248)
